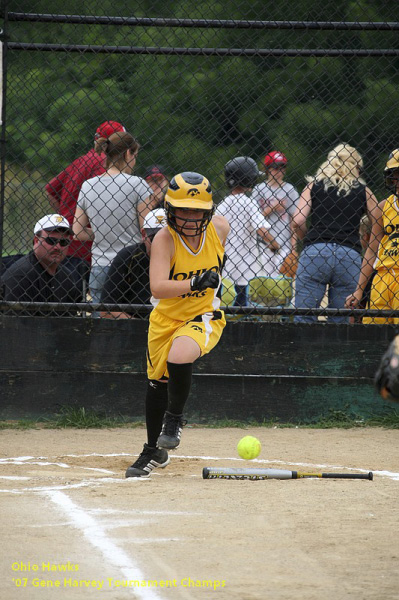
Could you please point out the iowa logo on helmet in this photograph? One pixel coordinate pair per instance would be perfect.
(193, 192)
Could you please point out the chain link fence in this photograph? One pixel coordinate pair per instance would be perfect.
(289, 110)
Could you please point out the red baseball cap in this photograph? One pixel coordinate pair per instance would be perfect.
(275, 158)
(155, 172)
(108, 128)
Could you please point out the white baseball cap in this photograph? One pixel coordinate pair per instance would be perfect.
(51, 222)
(154, 220)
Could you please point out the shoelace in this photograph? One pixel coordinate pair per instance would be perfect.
(145, 457)
(173, 424)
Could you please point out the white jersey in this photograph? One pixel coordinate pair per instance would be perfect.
(110, 203)
(266, 195)
(242, 250)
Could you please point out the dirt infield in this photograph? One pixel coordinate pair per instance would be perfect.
(71, 521)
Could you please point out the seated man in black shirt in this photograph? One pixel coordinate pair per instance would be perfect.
(40, 276)
(128, 279)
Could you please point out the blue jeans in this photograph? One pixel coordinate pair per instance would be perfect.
(321, 265)
(241, 298)
(98, 275)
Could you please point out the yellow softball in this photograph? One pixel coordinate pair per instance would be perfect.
(249, 447)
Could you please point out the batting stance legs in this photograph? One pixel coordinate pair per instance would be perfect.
(173, 347)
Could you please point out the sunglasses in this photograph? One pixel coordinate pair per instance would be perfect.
(52, 241)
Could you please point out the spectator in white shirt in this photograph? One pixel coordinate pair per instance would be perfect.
(246, 222)
(277, 200)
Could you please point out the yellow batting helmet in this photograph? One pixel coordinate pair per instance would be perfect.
(391, 171)
(189, 191)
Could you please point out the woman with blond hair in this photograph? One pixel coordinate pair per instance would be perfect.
(111, 207)
(333, 202)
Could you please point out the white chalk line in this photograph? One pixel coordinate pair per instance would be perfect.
(97, 537)
(70, 486)
(31, 460)
(14, 477)
(24, 460)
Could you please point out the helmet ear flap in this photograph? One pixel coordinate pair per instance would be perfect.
(173, 185)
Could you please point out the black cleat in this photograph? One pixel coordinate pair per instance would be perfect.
(149, 459)
(171, 431)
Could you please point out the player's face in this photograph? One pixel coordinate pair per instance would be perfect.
(188, 220)
(277, 172)
(130, 159)
(51, 247)
(395, 180)
(159, 185)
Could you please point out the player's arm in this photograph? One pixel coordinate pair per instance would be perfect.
(144, 207)
(267, 210)
(372, 207)
(294, 197)
(293, 235)
(268, 239)
(81, 226)
(302, 212)
(266, 205)
(162, 251)
(377, 232)
(259, 225)
(222, 227)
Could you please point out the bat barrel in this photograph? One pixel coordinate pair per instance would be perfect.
(254, 474)
(230, 473)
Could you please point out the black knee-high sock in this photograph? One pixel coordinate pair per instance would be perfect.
(156, 403)
(178, 386)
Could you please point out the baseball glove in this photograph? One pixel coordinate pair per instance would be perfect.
(290, 264)
(387, 376)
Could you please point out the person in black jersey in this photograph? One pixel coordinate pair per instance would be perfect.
(128, 278)
(334, 201)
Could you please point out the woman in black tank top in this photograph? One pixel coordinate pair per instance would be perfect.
(333, 203)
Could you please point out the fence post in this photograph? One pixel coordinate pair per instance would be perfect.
(3, 89)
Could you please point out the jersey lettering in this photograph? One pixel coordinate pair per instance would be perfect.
(190, 274)
(195, 294)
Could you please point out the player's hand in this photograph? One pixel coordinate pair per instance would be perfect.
(353, 300)
(290, 264)
(209, 279)
(274, 246)
(277, 206)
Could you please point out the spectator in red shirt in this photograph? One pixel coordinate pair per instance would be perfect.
(63, 190)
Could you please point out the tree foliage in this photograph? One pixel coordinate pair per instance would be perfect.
(198, 112)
